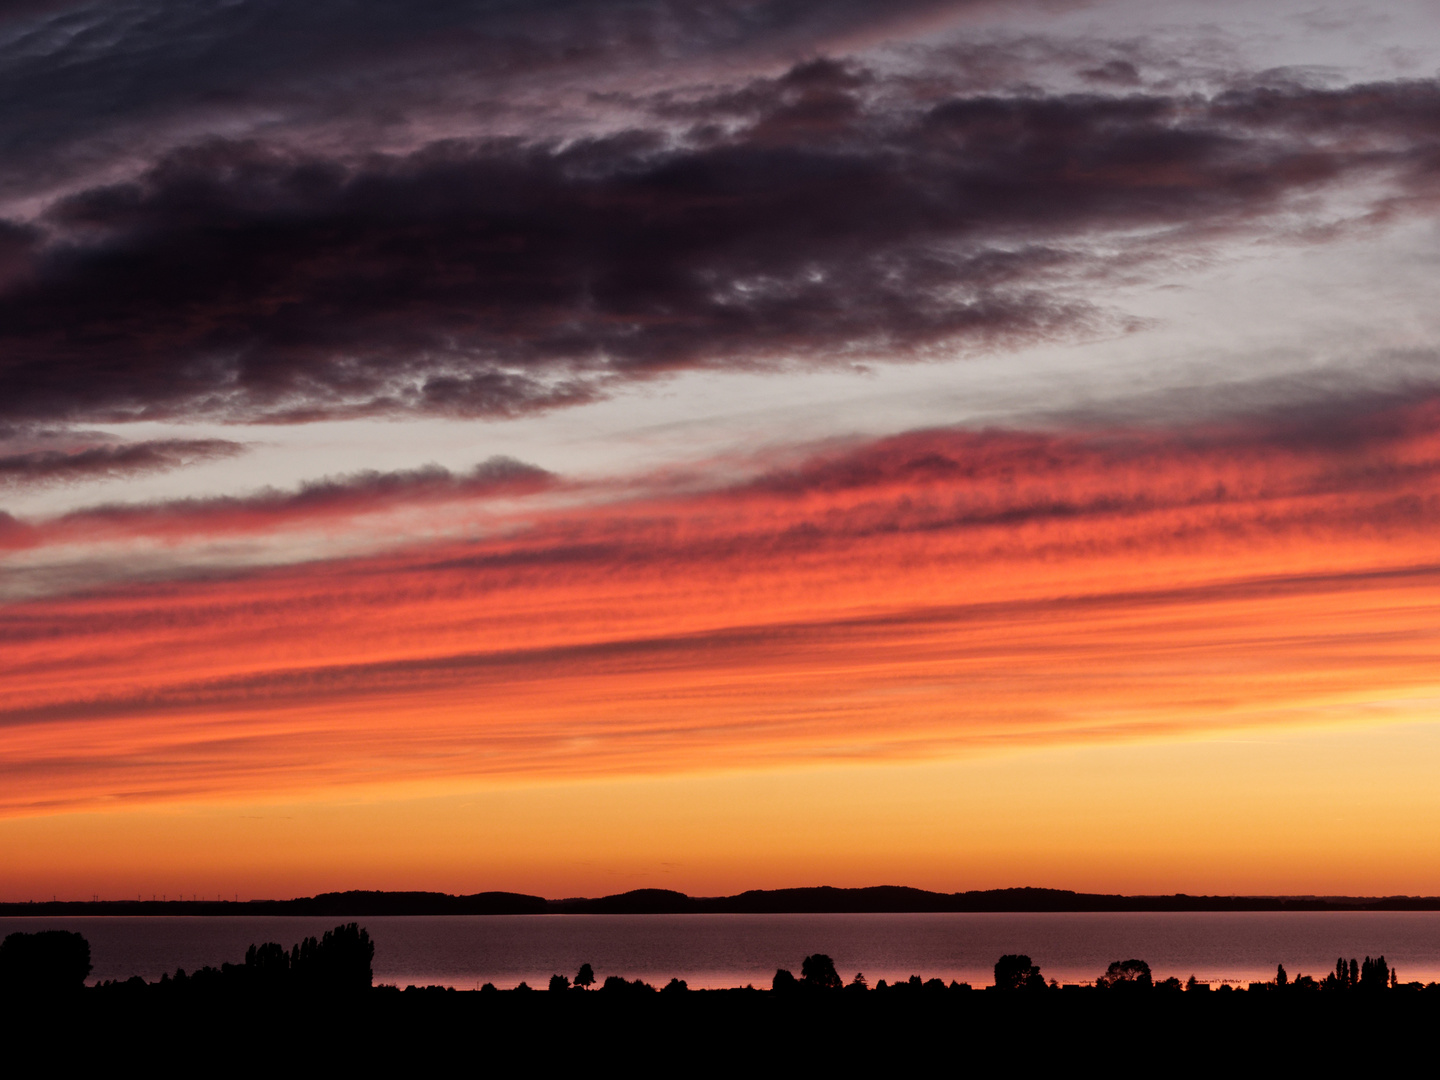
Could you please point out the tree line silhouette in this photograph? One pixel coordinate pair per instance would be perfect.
(335, 964)
(1015, 973)
(339, 963)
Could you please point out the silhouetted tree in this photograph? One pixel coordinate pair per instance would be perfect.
(1335, 979)
(585, 977)
(783, 980)
(1375, 974)
(1282, 979)
(1193, 983)
(1126, 975)
(47, 962)
(559, 982)
(1172, 983)
(858, 983)
(268, 957)
(338, 962)
(1345, 976)
(675, 986)
(817, 972)
(1014, 971)
(266, 969)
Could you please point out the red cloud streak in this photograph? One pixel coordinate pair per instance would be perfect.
(928, 594)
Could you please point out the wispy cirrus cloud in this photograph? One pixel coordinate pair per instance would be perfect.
(35, 467)
(328, 503)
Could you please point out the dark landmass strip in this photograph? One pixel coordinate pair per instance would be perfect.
(741, 1032)
(314, 1006)
(819, 900)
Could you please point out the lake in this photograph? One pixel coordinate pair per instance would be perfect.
(732, 950)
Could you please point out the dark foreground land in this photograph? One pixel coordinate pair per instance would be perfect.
(730, 1030)
(312, 1008)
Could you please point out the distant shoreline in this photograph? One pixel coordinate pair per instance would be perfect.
(883, 899)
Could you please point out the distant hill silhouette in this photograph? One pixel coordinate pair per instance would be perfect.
(820, 899)
(635, 902)
(357, 902)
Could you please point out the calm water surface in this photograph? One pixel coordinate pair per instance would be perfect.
(732, 950)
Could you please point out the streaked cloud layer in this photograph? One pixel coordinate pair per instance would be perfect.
(401, 401)
(935, 592)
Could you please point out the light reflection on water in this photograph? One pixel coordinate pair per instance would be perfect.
(732, 950)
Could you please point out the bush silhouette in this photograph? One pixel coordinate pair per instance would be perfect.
(615, 984)
(559, 982)
(784, 981)
(1014, 971)
(47, 962)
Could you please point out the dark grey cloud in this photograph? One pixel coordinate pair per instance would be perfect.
(834, 213)
(1113, 72)
(87, 82)
(107, 461)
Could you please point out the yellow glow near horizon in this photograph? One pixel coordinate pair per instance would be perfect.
(1322, 811)
(745, 685)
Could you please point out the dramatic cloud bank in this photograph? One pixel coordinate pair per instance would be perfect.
(840, 212)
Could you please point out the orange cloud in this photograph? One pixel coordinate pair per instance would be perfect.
(925, 595)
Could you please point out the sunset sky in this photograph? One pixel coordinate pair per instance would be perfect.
(566, 447)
